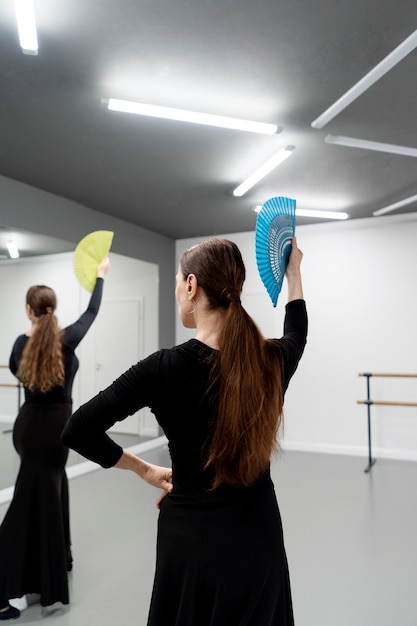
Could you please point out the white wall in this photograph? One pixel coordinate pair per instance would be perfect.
(361, 291)
(128, 279)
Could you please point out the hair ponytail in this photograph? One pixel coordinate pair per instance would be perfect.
(41, 367)
(246, 371)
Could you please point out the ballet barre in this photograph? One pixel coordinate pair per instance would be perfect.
(369, 403)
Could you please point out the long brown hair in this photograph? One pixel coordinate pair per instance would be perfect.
(41, 367)
(246, 371)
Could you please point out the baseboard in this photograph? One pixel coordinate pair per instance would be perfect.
(148, 432)
(6, 494)
(323, 448)
(8, 419)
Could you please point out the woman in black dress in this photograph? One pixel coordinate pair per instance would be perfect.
(35, 552)
(218, 397)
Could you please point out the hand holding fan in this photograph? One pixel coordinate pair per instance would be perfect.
(275, 227)
(88, 254)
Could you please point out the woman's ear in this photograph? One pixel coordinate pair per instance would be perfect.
(191, 285)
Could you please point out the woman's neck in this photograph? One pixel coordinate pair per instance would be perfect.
(29, 332)
(209, 325)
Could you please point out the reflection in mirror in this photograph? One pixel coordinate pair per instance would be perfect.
(125, 330)
(30, 244)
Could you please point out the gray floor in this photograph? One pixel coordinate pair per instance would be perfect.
(351, 541)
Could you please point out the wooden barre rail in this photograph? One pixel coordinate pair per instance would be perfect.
(387, 402)
(389, 375)
(369, 402)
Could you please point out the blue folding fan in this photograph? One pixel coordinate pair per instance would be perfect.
(275, 227)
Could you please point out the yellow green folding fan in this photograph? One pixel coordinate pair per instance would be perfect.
(88, 254)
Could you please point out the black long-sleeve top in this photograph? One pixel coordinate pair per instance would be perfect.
(72, 336)
(172, 382)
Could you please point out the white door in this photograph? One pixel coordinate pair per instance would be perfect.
(118, 345)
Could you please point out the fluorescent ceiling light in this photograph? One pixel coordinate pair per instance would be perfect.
(180, 115)
(327, 215)
(396, 205)
(401, 51)
(12, 248)
(26, 26)
(351, 142)
(262, 171)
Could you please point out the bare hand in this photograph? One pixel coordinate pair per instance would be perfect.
(162, 496)
(296, 256)
(155, 475)
(103, 267)
(160, 477)
(293, 273)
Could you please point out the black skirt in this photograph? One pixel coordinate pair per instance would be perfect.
(221, 561)
(35, 553)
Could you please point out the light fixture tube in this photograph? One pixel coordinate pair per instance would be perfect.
(12, 248)
(396, 205)
(377, 146)
(181, 115)
(26, 26)
(401, 51)
(262, 171)
(327, 215)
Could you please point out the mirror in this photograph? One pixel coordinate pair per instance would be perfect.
(130, 293)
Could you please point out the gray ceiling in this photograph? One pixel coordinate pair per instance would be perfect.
(278, 61)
